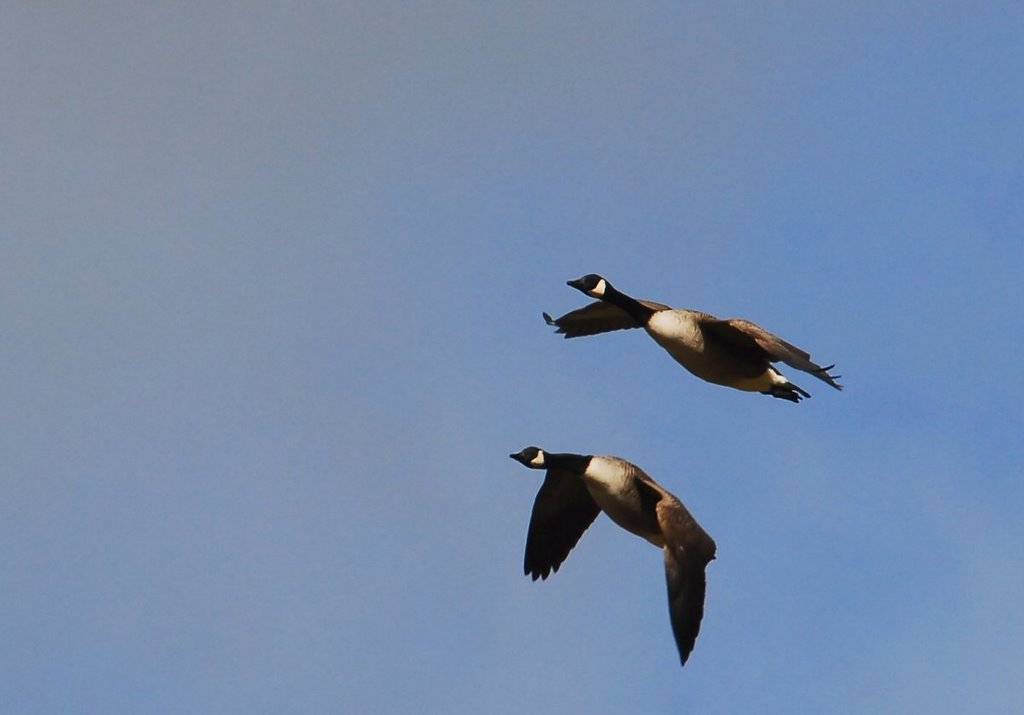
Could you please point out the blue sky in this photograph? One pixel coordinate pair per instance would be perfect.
(271, 280)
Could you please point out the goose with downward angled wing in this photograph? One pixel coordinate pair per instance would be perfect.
(579, 487)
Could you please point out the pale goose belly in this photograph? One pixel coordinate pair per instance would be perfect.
(618, 497)
(678, 333)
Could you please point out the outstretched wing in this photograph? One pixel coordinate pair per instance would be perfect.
(562, 511)
(752, 337)
(598, 317)
(686, 586)
(688, 551)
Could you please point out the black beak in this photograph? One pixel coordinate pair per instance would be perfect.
(577, 284)
(521, 458)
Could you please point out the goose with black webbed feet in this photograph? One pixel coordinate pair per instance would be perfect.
(735, 353)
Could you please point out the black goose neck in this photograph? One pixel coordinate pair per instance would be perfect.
(637, 310)
(576, 463)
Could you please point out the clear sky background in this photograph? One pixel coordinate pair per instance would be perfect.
(271, 278)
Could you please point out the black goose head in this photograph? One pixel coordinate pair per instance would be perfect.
(532, 457)
(537, 458)
(591, 284)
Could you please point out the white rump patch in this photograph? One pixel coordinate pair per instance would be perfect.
(763, 383)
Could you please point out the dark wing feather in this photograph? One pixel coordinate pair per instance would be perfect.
(686, 587)
(751, 337)
(688, 550)
(562, 511)
(598, 317)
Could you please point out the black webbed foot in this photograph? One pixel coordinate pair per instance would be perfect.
(789, 391)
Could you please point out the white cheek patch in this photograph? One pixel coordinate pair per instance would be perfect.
(537, 461)
(599, 288)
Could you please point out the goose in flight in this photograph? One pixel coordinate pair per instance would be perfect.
(579, 487)
(735, 352)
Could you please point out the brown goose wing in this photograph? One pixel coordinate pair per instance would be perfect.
(562, 511)
(688, 551)
(598, 317)
(752, 337)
